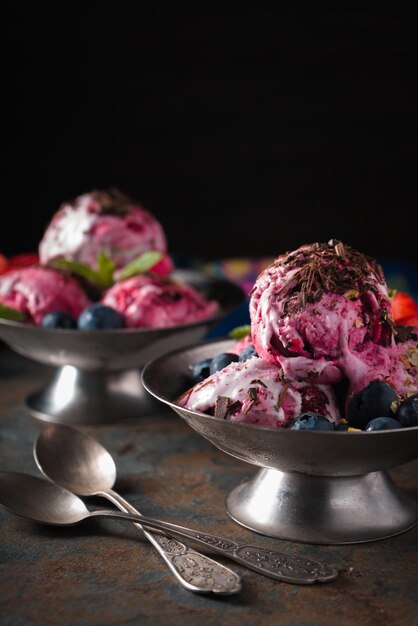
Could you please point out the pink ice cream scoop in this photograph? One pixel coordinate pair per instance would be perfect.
(256, 392)
(322, 313)
(157, 302)
(36, 291)
(103, 221)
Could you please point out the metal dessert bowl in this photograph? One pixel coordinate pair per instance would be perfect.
(312, 486)
(98, 375)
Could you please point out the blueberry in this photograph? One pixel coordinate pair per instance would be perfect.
(312, 421)
(247, 353)
(201, 370)
(382, 423)
(57, 319)
(408, 411)
(341, 427)
(222, 360)
(100, 316)
(373, 401)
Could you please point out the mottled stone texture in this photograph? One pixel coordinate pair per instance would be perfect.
(103, 573)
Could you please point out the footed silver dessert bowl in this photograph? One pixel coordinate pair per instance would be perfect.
(98, 376)
(313, 486)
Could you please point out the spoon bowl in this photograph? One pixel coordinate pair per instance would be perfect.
(74, 460)
(40, 500)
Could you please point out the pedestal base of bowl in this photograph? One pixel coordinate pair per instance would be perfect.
(86, 398)
(322, 509)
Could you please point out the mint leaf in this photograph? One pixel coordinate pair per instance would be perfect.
(76, 268)
(105, 268)
(104, 275)
(141, 264)
(239, 332)
(82, 270)
(7, 313)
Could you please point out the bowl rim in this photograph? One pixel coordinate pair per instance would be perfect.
(154, 363)
(219, 314)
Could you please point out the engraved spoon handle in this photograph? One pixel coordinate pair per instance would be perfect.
(287, 568)
(195, 571)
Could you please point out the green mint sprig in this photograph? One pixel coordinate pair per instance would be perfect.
(141, 264)
(104, 275)
(239, 332)
(105, 269)
(8, 313)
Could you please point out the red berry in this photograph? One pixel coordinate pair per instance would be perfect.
(21, 260)
(163, 267)
(3, 264)
(409, 320)
(403, 306)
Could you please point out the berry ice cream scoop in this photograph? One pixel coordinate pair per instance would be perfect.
(103, 222)
(322, 313)
(157, 302)
(256, 392)
(322, 339)
(36, 291)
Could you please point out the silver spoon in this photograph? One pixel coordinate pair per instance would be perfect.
(82, 465)
(47, 503)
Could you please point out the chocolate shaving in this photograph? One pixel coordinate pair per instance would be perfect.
(252, 393)
(221, 407)
(404, 333)
(234, 406)
(321, 268)
(282, 395)
(112, 201)
(225, 406)
(317, 295)
(257, 381)
(203, 383)
(184, 396)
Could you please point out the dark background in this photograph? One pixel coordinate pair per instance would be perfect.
(246, 129)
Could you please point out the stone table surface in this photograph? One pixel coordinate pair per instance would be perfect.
(103, 572)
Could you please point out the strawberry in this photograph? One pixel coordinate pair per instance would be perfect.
(3, 264)
(18, 261)
(408, 320)
(163, 267)
(403, 306)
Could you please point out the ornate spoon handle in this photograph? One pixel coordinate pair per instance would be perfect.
(195, 571)
(289, 569)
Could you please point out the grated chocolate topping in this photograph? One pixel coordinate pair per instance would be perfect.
(112, 201)
(327, 267)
